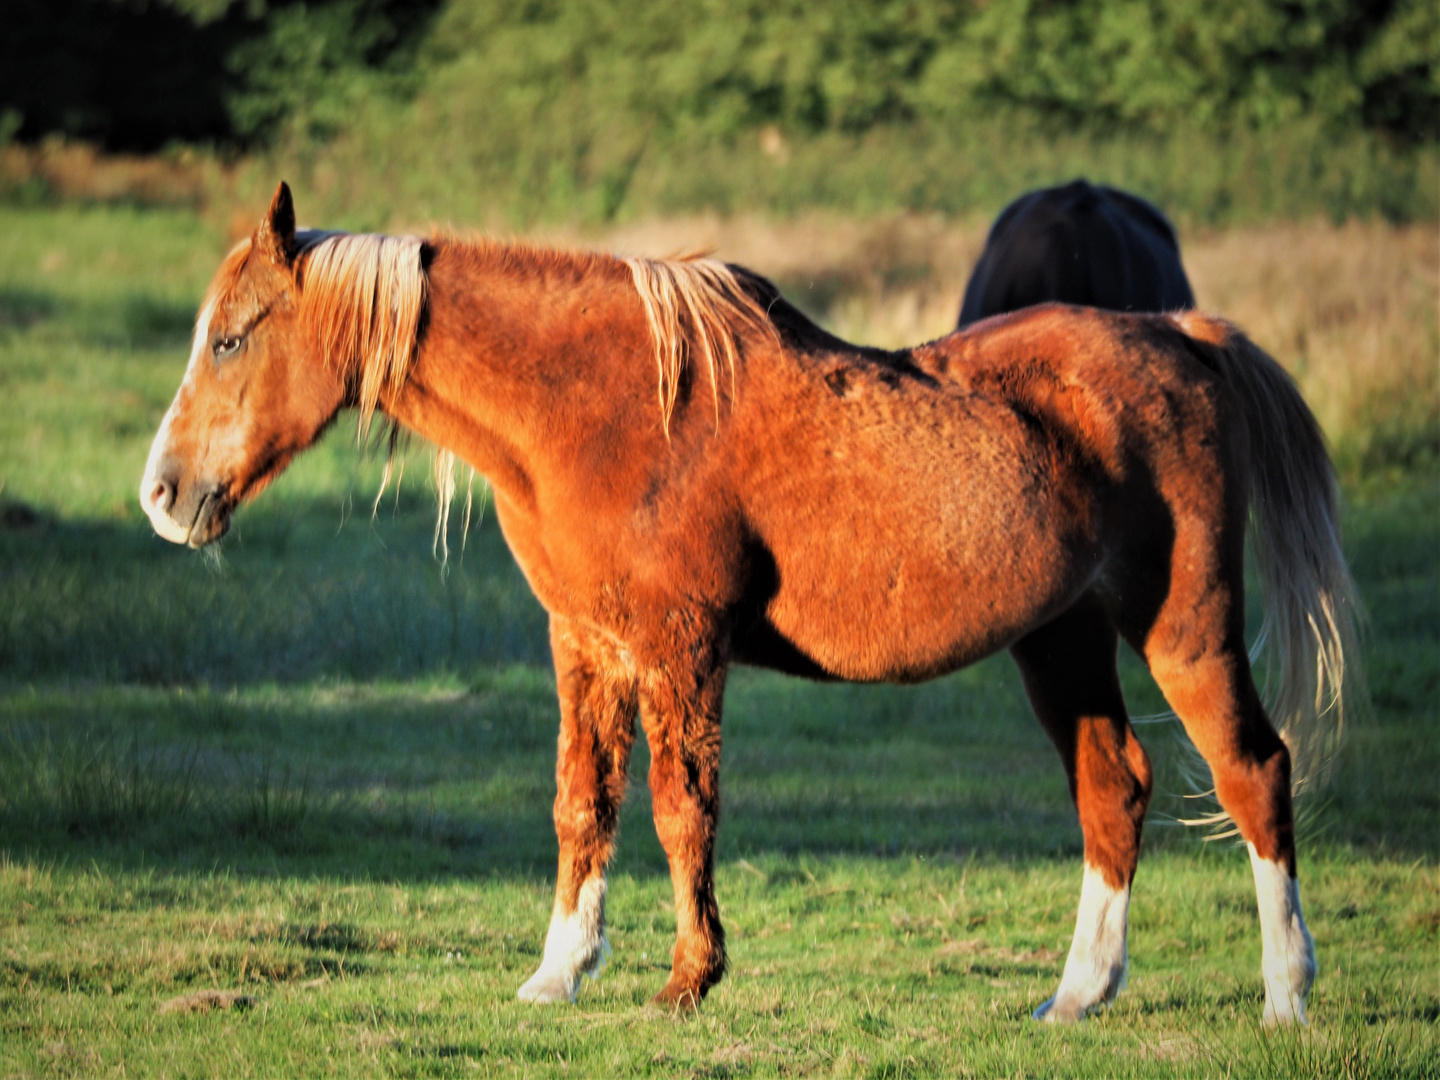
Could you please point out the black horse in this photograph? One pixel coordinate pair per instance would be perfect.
(1079, 244)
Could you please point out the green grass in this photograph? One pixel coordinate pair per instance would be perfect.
(320, 772)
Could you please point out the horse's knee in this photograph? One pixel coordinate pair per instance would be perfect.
(684, 798)
(1111, 765)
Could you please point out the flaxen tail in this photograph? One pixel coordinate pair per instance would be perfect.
(1313, 679)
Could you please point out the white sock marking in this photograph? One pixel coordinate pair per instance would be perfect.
(1288, 961)
(1095, 968)
(574, 946)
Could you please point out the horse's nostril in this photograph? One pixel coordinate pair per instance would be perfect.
(160, 495)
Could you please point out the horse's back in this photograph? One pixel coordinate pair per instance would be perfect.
(1078, 244)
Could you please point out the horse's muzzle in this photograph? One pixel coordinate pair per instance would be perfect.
(195, 518)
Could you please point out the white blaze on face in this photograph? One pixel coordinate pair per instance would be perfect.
(159, 515)
(1288, 959)
(575, 946)
(1095, 968)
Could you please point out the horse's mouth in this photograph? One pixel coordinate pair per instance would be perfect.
(212, 520)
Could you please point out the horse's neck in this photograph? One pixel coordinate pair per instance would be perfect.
(511, 365)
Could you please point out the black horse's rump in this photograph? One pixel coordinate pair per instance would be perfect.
(1078, 244)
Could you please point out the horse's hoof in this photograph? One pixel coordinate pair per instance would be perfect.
(678, 998)
(548, 988)
(1056, 1011)
(1291, 1011)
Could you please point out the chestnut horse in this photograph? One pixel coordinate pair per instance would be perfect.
(1048, 483)
(1078, 244)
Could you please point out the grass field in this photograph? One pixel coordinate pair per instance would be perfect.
(317, 772)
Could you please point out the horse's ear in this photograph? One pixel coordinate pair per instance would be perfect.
(276, 235)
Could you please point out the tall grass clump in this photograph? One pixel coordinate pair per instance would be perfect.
(272, 803)
(961, 167)
(100, 782)
(93, 782)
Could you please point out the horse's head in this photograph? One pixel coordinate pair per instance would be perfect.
(252, 397)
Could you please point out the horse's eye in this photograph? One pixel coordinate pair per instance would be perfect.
(226, 347)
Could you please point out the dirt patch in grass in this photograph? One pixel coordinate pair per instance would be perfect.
(203, 1001)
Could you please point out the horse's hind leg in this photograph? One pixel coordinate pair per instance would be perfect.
(1069, 672)
(1197, 655)
(598, 704)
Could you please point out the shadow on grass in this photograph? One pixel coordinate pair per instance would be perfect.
(450, 777)
(21, 308)
(302, 589)
(328, 703)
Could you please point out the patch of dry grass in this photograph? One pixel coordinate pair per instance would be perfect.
(1351, 311)
(58, 170)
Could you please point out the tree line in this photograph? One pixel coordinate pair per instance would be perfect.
(578, 106)
(134, 75)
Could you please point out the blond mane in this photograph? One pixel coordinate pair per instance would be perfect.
(694, 305)
(362, 298)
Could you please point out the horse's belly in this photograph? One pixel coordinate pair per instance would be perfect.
(907, 615)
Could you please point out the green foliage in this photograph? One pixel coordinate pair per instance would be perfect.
(732, 65)
(1213, 65)
(596, 110)
(1400, 68)
(316, 65)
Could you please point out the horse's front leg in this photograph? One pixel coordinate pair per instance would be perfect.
(597, 728)
(681, 713)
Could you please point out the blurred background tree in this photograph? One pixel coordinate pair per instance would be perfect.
(597, 109)
(136, 75)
